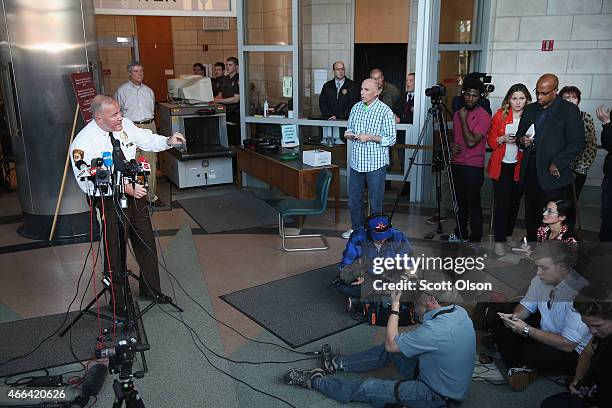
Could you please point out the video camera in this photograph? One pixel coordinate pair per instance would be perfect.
(121, 357)
(486, 80)
(436, 92)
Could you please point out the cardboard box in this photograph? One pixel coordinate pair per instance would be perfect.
(316, 157)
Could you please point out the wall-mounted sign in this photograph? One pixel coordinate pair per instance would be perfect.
(216, 23)
(212, 8)
(287, 86)
(548, 45)
(84, 90)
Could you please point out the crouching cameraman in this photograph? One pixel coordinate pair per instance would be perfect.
(592, 382)
(376, 239)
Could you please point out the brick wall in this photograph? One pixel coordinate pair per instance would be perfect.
(582, 55)
(188, 38)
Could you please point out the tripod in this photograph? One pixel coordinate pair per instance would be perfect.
(441, 159)
(122, 275)
(125, 391)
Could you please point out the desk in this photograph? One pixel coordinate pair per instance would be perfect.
(291, 177)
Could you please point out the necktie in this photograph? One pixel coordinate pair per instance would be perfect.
(118, 156)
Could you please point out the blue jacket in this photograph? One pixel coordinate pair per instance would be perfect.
(361, 244)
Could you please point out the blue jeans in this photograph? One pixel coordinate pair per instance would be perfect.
(412, 393)
(376, 193)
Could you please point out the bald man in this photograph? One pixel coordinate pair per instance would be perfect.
(371, 127)
(558, 138)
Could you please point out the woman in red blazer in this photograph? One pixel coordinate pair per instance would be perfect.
(504, 164)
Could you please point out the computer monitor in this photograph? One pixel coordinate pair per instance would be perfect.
(197, 90)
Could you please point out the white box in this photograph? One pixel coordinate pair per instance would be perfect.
(316, 157)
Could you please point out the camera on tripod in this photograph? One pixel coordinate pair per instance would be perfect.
(436, 92)
(121, 357)
(486, 80)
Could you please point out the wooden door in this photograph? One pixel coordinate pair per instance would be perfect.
(156, 55)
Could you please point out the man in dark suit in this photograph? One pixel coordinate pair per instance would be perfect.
(336, 100)
(557, 140)
(408, 111)
(605, 233)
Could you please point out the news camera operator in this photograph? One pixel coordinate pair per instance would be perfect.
(110, 129)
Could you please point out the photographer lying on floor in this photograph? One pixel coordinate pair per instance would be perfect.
(443, 348)
(375, 239)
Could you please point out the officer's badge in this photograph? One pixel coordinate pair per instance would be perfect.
(344, 92)
(124, 137)
(78, 155)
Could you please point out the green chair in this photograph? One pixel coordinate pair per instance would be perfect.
(293, 207)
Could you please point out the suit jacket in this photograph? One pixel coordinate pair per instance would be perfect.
(558, 140)
(338, 104)
(606, 143)
(407, 114)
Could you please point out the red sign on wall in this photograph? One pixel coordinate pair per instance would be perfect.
(548, 45)
(84, 90)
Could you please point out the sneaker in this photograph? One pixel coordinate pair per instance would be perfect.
(519, 378)
(328, 359)
(303, 378)
(433, 220)
(500, 249)
(347, 234)
(455, 238)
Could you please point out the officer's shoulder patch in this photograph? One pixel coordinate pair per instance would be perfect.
(77, 155)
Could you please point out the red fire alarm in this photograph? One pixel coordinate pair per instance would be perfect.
(548, 45)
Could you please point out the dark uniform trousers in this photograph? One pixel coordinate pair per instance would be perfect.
(138, 230)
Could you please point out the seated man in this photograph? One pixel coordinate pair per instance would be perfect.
(364, 245)
(443, 347)
(561, 337)
(592, 382)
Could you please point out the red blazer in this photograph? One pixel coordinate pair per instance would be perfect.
(498, 128)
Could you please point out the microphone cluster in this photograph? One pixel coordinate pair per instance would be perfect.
(101, 169)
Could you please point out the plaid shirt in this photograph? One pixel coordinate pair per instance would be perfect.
(375, 119)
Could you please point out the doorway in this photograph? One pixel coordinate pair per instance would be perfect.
(154, 35)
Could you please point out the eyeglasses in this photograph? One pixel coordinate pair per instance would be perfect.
(549, 211)
(543, 93)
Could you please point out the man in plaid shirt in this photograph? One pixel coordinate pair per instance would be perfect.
(371, 127)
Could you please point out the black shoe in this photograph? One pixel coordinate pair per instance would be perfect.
(159, 299)
(328, 359)
(303, 378)
(158, 203)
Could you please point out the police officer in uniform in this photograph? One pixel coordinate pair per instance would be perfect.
(230, 96)
(109, 128)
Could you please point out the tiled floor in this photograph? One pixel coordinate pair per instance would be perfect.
(37, 282)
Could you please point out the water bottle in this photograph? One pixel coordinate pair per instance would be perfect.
(265, 108)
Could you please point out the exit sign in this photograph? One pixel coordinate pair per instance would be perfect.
(548, 45)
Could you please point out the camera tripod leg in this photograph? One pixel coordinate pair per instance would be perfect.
(86, 310)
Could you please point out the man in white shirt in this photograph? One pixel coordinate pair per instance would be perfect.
(111, 132)
(137, 103)
(561, 336)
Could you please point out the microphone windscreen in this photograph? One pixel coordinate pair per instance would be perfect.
(80, 164)
(108, 159)
(94, 380)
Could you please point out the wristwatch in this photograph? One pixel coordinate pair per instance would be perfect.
(394, 312)
(168, 142)
(525, 332)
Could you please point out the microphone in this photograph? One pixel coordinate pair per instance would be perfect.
(107, 157)
(80, 165)
(92, 383)
(144, 164)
